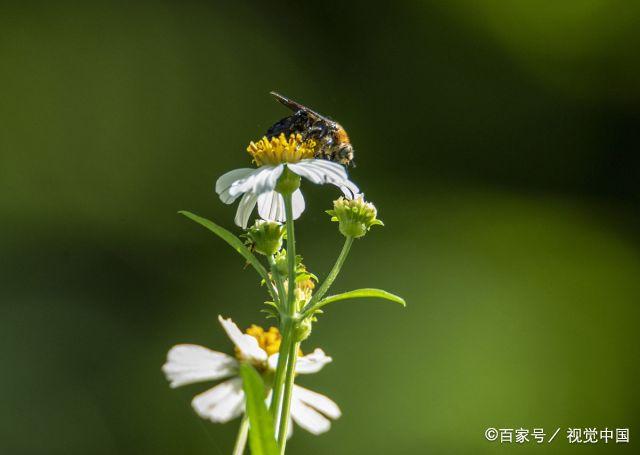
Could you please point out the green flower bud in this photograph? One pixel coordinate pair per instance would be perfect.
(303, 330)
(266, 236)
(354, 215)
(282, 266)
(288, 182)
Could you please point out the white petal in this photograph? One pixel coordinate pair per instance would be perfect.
(308, 172)
(308, 418)
(319, 171)
(322, 171)
(350, 189)
(273, 361)
(266, 180)
(245, 207)
(297, 202)
(317, 401)
(332, 168)
(260, 181)
(189, 363)
(271, 206)
(308, 364)
(224, 183)
(247, 344)
(222, 403)
(312, 363)
(246, 184)
(339, 178)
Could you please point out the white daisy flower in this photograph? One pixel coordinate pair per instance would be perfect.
(189, 363)
(257, 186)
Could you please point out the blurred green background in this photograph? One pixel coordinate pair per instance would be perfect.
(498, 139)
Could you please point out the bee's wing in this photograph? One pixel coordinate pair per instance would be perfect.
(295, 106)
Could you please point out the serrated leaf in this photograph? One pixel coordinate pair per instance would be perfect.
(359, 294)
(261, 434)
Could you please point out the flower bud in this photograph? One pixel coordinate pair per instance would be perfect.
(266, 236)
(282, 265)
(354, 215)
(303, 330)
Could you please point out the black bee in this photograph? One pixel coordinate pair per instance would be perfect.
(332, 139)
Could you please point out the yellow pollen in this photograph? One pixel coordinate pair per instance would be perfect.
(268, 340)
(279, 149)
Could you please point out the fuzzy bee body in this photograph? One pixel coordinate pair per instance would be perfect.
(333, 141)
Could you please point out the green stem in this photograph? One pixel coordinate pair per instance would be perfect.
(279, 285)
(291, 254)
(286, 403)
(324, 287)
(284, 385)
(241, 439)
(278, 380)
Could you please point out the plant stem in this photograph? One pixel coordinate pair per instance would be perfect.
(282, 295)
(278, 380)
(283, 381)
(291, 255)
(241, 439)
(326, 284)
(283, 353)
(286, 403)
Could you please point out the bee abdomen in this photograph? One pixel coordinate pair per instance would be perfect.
(341, 135)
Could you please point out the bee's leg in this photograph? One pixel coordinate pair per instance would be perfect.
(325, 150)
(301, 123)
(315, 132)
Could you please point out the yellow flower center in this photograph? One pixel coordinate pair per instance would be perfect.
(279, 150)
(268, 340)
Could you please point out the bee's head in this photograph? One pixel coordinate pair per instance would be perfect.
(344, 154)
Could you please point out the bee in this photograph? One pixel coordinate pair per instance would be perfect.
(333, 141)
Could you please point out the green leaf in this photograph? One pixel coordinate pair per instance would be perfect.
(233, 241)
(358, 294)
(262, 438)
